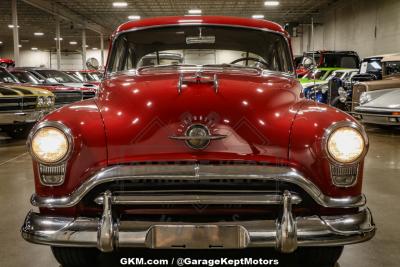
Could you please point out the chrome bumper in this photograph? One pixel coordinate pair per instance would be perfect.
(22, 117)
(377, 118)
(285, 234)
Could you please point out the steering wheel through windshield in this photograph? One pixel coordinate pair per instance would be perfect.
(250, 58)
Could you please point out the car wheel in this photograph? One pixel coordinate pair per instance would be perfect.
(76, 257)
(319, 256)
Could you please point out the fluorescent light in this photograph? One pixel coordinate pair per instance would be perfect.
(11, 26)
(95, 48)
(86, 46)
(133, 17)
(120, 4)
(257, 16)
(56, 38)
(194, 11)
(34, 48)
(271, 3)
(1, 42)
(38, 33)
(73, 43)
(19, 46)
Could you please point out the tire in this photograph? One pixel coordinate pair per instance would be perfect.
(319, 256)
(76, 257)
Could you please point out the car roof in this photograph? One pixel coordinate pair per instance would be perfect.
(201, 20)
(392, 57)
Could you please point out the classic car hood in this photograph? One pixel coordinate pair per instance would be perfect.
(141, 113)
(27, 90)
(389, 98)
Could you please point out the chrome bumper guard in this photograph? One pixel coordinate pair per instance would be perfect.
(285, 234)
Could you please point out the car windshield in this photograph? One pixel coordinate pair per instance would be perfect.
(371, 66)
(340, 61)
(316, 74)
(6, 77)
(25, 77)
(392, 67)
(59, 76)
(200, 45)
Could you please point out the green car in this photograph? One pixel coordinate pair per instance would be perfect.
(317, 76)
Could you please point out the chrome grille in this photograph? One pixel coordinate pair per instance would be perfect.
(52, 175)
(10, 104)
(344, 176)
(63, 98)
(29, 103)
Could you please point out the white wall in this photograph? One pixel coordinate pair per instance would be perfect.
(369, 27)
(69, 61)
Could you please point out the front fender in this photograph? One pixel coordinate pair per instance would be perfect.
(306, 150)
(89, 152)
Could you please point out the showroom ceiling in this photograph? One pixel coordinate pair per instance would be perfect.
(101, 12)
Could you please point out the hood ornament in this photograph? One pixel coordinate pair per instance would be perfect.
(198, 136)
(198, 78)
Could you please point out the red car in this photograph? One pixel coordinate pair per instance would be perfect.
(219, 151)
(6, 63)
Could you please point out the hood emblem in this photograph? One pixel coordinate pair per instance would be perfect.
(198, 78)
(198, 136)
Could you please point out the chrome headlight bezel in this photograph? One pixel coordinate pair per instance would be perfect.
(365, 98)
(332, 129)
(59, 126)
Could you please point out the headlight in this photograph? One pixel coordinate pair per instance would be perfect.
(342, 94)
(49, 101)
(40, 101)
(50, 145)
(365, 98)
(346, 145)
(324, 88)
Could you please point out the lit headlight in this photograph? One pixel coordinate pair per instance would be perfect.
(342, 94)
(365, 98)
(50, 145)
(346, 145)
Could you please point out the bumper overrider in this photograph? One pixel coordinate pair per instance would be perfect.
(285, 233)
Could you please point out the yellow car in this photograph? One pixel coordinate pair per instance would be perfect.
(21, 107)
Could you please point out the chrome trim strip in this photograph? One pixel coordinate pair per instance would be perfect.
(311, 231)
(197, 199)
(195, 171)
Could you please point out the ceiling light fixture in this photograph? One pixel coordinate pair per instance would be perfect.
(1, 42)
(195, 11)
(38, 33)
(73, 43)
(94, 48)
(55, 39)
(271, 3)
(257, 16)
(11, 26)
(133, 17)
(120, 4)
(19, 46)
(34, 48)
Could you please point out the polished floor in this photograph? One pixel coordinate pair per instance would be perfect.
(381, 185)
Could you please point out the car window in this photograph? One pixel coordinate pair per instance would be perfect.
(392, 67)
(316, 74)
(25, 77)
(59, 76)
(7, 77)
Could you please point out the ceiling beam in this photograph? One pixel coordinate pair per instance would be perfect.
(67, 14)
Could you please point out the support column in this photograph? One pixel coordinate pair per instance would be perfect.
(15, 31)
(58, 42)
(83, 49)
(102, 50)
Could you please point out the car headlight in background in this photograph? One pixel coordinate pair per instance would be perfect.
(342, 94)
(365, 98)
(41, 101)
(50, 145)
(346, 145)
(49, 101)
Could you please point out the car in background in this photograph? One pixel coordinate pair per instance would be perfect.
(7, 63)
(229, 152)
(320, 76)
(327, 59)
(379, 107)
(319, 90)
(63, 94)
(371, 68)
(21, 107)
(56, 77)
(390, 79)
(87, 76)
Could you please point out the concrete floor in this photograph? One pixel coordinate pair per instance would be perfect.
(381, 185)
